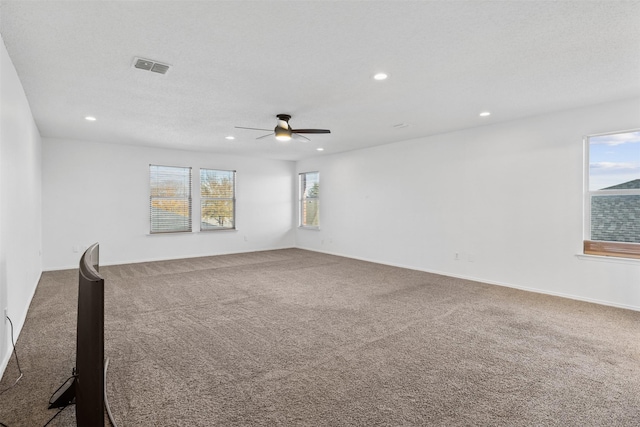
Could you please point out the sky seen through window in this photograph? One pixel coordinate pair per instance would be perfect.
(613, 159)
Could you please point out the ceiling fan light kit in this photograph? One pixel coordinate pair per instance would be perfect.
(282, 134)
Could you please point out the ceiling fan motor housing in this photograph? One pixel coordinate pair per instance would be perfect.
(283, 130)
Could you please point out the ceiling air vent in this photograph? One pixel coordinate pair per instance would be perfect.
(149, 65)
(160, 68)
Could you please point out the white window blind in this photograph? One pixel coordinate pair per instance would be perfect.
(217, 199)
(170, 199)
(310, 199)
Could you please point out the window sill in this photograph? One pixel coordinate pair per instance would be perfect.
(605, 258)
(194, 232)
(612, 249)
(303, 227)
(171, 233)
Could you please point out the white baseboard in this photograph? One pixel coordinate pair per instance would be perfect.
(489, 282)
(5, 361)
(17, 328)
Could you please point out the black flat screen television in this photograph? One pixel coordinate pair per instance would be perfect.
(87, 384)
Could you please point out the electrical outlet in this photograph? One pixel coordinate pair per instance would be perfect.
(456, 256)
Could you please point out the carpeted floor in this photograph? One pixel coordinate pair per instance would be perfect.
(297, 338)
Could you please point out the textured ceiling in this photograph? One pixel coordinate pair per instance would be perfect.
(241, 63)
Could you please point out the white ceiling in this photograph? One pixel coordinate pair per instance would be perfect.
(240, 63)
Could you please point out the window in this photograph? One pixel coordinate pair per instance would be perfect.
(310, 199)
(217, 199)
(170, 199)
(612, 196)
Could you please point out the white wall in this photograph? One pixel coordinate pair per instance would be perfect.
(507, 198)
(100, 192)
(20, 204)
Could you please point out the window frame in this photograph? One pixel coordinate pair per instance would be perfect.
(189, 200)
(232, 199)
(603, 247)
(302, 199)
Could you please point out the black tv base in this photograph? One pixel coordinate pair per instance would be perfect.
(65, 395)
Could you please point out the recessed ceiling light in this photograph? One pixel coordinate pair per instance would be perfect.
(319, 149)
(90, 118)
(230, 137)
(380, 76)
(485, 114)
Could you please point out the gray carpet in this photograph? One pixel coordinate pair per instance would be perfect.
(296, 338)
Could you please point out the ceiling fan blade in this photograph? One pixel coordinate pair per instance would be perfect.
(310, 130)
(242, 127)
(300, 137)
(264, 136)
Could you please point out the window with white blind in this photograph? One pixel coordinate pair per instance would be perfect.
(217, 199)
(309, 199)
(612, 194)
(170, 199)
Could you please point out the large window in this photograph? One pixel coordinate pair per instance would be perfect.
(217, 199)
(612, 196)
(310, 199)
(170, 199)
